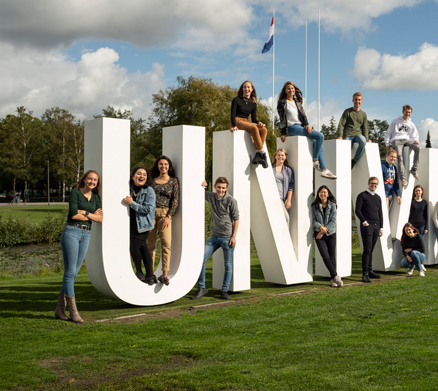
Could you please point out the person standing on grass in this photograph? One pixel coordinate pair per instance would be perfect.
(284, 178)
(84, 207)
(165, 184)
(413, 250)
(293, 122)
(353, 126)
(324, 231)
(435, 220)
(418, 213)
(390, 179)
(224, 224)
(142, 211)
(403, 133)
(369, 211)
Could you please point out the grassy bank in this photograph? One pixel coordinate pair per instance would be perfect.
(31, 214)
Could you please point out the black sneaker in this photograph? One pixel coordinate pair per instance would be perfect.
(366, 278)
(164, 280)
(264, 160)
(353, 162)
(373, 275)
(199, 293)
(140, 275)
(225, 296)
(151, 280)
(257, 159)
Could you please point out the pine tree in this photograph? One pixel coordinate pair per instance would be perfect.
(428, 143)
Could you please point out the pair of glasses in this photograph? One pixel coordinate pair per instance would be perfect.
(373, 183)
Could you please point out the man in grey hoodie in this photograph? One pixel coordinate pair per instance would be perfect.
(224, 224)
(402, 132)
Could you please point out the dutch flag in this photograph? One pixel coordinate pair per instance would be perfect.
(270, 41)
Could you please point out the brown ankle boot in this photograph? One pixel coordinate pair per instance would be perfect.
(60, 307)
(74, 314)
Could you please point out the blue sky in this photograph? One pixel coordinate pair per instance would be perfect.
(83, 56)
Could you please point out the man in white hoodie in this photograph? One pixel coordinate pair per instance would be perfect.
(402, 132)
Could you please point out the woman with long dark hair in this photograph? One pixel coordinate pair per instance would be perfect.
(324, 226)
(84, 207)
(293, 122)
(166, 187)
(413, 250)
(418, 213)
(242, 106)
(142, 203)
(284, 178)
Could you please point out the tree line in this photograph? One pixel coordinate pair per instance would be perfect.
(29, 144)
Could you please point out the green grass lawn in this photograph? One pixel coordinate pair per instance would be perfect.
(33, 214)
(377, 336)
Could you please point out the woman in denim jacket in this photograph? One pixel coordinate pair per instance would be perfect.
(142, 202)
(324, 226)
(293, 121)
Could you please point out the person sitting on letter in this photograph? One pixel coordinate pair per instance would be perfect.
(403, 133)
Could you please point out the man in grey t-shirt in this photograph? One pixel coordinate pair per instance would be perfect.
(224, 224)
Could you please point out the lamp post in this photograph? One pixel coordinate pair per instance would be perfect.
(48, 183)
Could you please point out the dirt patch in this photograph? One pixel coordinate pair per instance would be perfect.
(113, 373)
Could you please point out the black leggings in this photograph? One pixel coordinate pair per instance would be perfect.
(327, 248)
(139, 250)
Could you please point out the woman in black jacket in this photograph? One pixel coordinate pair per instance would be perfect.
(293, 121)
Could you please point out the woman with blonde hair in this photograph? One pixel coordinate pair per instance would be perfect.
(84, 208)
(284, 178)
(293, 121)
(243, 105)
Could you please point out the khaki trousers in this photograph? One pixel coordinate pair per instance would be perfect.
(165, 238)
(258, 134)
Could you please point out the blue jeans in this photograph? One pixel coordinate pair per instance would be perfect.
(211, 245)
(421, 230)
(361, 142)
(315, 136)
(417, 260)
(74, 243)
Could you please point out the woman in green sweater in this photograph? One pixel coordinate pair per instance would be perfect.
(84, 207)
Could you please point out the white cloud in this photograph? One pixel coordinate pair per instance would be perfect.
(387, 72)
(428, 124)
(336, 15)
(206, 26)
(41, 80)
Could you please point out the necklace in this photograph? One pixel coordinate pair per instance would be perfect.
(136, 194)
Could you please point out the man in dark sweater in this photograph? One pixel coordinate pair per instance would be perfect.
(369, 212)
(224, 224)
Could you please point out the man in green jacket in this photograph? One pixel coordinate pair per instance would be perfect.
(353, 126)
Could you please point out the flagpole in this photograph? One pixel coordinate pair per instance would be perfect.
(319, 68)
(273, 70)
(305, 74)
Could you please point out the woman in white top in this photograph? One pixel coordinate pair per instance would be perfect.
(293, 121)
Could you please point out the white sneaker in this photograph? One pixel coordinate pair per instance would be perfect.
(404, 182)
(338, 281)
(422, 274)
(424, 269)
(328, 175)
(316, 166)
(410, 272)
(333, 283)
